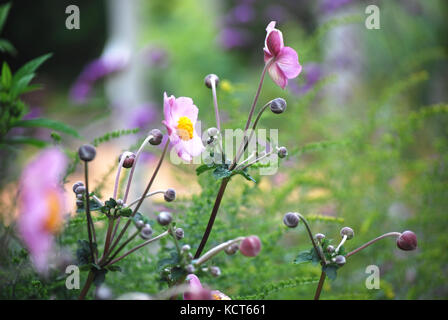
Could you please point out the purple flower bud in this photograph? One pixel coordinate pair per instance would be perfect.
(407, 241)
(215, 271)
(164, 218)
(128, 162)
(339, 260)
(157, 137)
(346, 231)
(179, 233)
(146, 232)
(319, 236)
(140, 224)
(120, 202)
(291, 219)
(209, 78)
(232, 249)
(170, 195)
(190, 268)
(87, 152)
(278, 105)
(79, 196)
(212, 132)
(80, 190)
(186, 248)
(330, 249)
(250, 246)
(282, 152)
(76, 185)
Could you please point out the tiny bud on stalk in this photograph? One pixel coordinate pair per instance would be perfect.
(179, 233)
(128, 162)
(157, 137)
(291, 219)
(346, 231)
(209, 78)
(146, 232)
(76, 185)
(164, 218)
(87, 152)
(282, 152)
(140, 224)
(232, 249)
(250, 246)
(215, 271)
(278, 105)
(319, 236)
(170, 195)
(407, 241)
(80, 190)
(339, 260)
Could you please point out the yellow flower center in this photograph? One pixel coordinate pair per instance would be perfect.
(53, 223)
(185, 128)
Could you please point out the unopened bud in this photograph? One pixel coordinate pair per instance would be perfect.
(186, 248)
(282, 152)
(87, 152)
(139, 224)
(209, 78)
(291, 219)
(319, 236)
(120, 202)
(232, 249)
(79, 203)
(330, 249)
(80, 190)
(179, 233)
(250, 246)
(169, 195)
(190, 268)
(215, 271)
(79, 196)
(407, 241)
(129, 161)
(212, 132)
(278, 105)
(157, 137)
(339, 260)
(146, 232)
(347, 231)
(76, 185)
(164, 218)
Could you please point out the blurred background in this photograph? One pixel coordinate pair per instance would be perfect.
(366, 129)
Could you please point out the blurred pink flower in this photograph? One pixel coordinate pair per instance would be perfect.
(285, 64)
(250, 246)
(180, 120)
(42, 205)
(198, 292)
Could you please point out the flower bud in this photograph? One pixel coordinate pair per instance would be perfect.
(80, 190)
(232, 249)
(139, 224)
(103, 293)
(170, 195)
(339, 260)
(209, 78)
(215, 271)
(190, 268)
(146, 232)
(79, 203)
(186, 248)
(164, 218)
(76, 185)
(79, 196)
(282, 152)
(120, 202)
(157, 137)
(407, 241)
(212, 132)
(211, 141)
(346, 231)
(330, 249)
(319, 236)
(291, 219)
(128, 162)
(87, 152)
(278, 105)
(179, 233)
(250, 246)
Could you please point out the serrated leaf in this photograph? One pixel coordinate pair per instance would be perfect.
(47, 123)
(30, 67)
(331, 271)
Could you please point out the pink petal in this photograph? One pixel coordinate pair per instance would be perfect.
(184, 107)
(168, 103)
(277, 75)
(274, 42)
(288, 62)
(271, 26)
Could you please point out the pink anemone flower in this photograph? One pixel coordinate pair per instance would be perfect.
(197, 292)
(180, 120)
(283, 61)
(42, 205)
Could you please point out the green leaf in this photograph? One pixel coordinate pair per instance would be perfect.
(26, 140)
(47, 123)
(303, 257)
(331, 271)
(203, 168)
(245, 174)
(93, 206)
(125, 212)
(221, 172)
(30, 67)
(111, 203)
(114, 268)
(21, 86)
(7, 47)
(4, 10)
(6, 76)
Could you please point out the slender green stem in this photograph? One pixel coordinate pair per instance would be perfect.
(219, 196)
(389, 234)
(215, 103)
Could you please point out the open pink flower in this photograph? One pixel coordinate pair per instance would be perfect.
(198, 292)
(180, 120)
(42, 205)
(284, 62)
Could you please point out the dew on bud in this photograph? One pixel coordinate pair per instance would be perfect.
(250, 246)
(347, 231)
(169, 195)
(407, 241)
(157, 137)
(282, 152)
(278, 105)
(291, 219)
(209, 78)
(87, 152)
(164, 218)
(129, 161)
